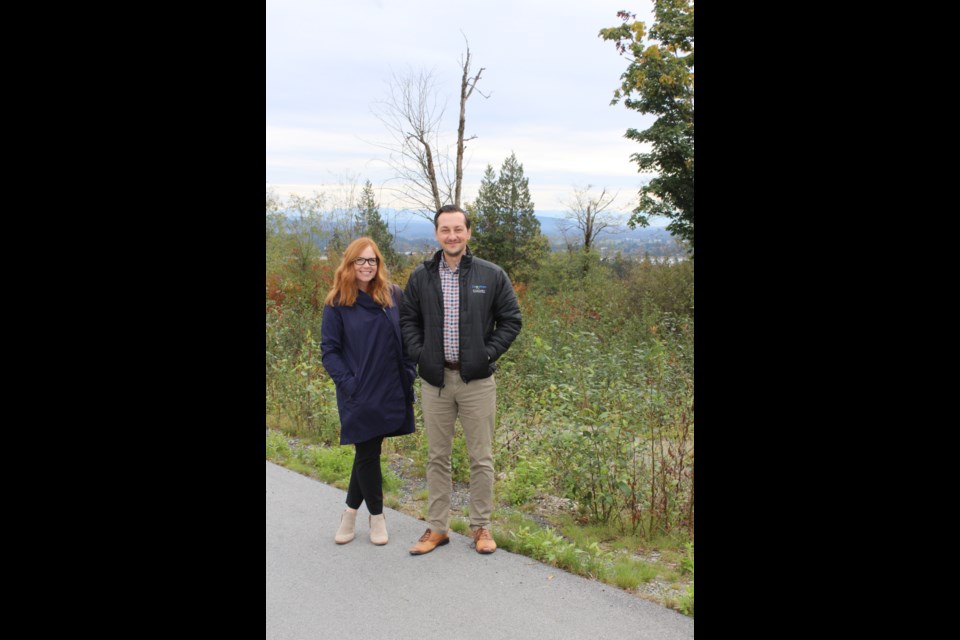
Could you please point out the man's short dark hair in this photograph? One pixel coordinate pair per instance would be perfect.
(450, 208)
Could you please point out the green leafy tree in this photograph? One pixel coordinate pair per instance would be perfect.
(506, 231)
(376, 228)
(274, 215)
(295, 233)
(305, 231)
(659, 81)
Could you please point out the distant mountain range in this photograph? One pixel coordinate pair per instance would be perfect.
(416, 233)
(552, 227)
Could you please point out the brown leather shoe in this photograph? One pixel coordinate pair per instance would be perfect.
(428, 542)
(484, 541)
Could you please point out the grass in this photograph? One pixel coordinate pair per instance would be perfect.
(587, 534)
(594, 551)
(331, 465)
(459, 459)
(527, 479)
(686, 601)
(686, 566)
(600, 552)
(415, 447)
(686, 563)
(284, 425)
(277, 448)
(520, 534)
(629, 573)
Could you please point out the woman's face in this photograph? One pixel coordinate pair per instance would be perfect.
(365, 272)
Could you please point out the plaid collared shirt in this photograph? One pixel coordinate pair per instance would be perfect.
(450, 284)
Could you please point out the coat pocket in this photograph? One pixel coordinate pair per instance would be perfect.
(349, 387)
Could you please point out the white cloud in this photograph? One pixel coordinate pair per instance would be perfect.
(550, 76)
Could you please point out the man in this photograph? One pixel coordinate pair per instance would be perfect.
(459, 315)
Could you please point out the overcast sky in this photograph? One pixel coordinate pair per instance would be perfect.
(549, 76)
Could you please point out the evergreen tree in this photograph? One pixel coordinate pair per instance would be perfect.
(376, 228)
(506, 231)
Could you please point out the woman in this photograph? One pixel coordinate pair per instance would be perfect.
(363, 352)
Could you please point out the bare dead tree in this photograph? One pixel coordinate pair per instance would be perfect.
(589, 216)
(412, 115)
(467, 86)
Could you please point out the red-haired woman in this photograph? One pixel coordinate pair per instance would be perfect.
(364, 354)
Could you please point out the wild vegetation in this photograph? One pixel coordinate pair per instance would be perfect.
(595, 433)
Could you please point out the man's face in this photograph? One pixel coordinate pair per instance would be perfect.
(452, 233)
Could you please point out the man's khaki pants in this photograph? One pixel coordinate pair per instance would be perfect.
(476, 404)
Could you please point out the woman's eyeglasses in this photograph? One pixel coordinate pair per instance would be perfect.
(370, 261)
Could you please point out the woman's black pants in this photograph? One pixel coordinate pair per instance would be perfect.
(366, 483)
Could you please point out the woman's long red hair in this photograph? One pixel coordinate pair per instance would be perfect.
(344, 291)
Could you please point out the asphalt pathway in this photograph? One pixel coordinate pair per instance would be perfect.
(317, 589)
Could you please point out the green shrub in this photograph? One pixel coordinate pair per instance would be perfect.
(527, 479)
(628, 573)
(299, 391)
(277, 448)
(460, 459)
(460, 525)
(332, 464)
(547, 546)
(686, 601)
(686, 563)
(391, 481)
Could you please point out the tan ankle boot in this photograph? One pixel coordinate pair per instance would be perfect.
(378, 529)
(348, 524)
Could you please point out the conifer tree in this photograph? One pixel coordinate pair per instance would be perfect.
(376, 228)
(506, 231)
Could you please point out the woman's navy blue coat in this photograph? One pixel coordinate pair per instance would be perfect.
(363, 352)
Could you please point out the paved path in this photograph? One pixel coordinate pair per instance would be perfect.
(317, 589)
